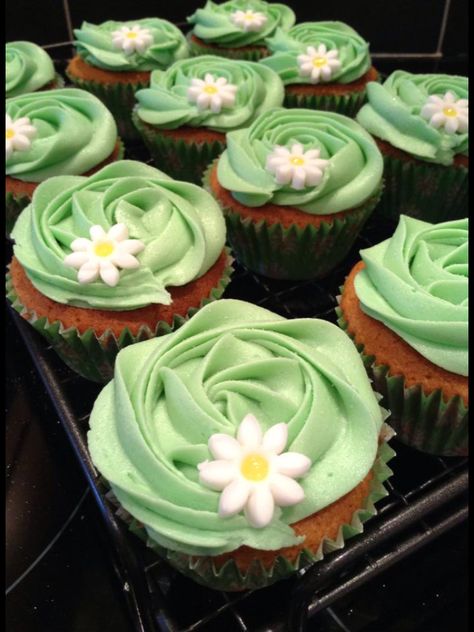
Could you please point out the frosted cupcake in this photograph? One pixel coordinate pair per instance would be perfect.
(28, 68)
(187, 110)
(237, 28)
(244, 495)
(115, 59)
(420, 123)
(124, 255)
(324, 66)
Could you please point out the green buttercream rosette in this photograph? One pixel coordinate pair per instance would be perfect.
(27, 68)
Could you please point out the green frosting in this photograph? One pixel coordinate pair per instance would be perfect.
(75, 132)
(180, 224)
(94, 44)
(416, 283)
(27, 68)
(166, 104)
(393, 114)
(353, 174)
(213, 23)
(151, 424)
(286, 46)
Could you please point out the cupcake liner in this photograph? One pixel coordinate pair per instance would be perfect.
(348, 104)
(14, 204)
(230, 578)
(93, 356)
(245, 53)
(178, 158)
(57, 83)
(430, 192)
(293, 253)
(428, 423)
(119, 99)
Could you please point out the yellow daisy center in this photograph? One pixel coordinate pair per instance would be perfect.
(210, 89)
(104, 249)
(297, 161)
(132, 35)
(9, 133)
(248, 16)
(449, 111)
(319, 61)
(254, 467)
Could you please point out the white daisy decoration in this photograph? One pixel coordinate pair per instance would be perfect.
(252, 473)
(18, 134)
(103, 254)
(248, 20)
(296, 167)
(319, 63)
(448, 112)
(131, 39)
(212, 93)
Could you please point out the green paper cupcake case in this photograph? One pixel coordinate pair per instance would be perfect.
(428, 423)
(347, 104)
(230, 578)
(92, 356)
(248, 53)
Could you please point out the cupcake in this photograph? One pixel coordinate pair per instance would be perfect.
(324, 66)
(296, 187)
(420, 123)
(123, 255)
(243, 446)
(237, 28)
(115, 59)
(405, 306)
(28, 68)
(185, 113)
(53, 133)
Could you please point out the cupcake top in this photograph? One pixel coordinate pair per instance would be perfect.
(240, 22)
(318, 162)
(57, 132)
(139, 45)
(209, 91)
(424, 115)
(416, 284)
(256, 387)
(117, 239)
(27, 68)
(318, 52)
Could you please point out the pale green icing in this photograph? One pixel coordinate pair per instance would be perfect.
(166, 104)
(213, 24)
(180, 224)
(416, 283)
(94, 44)
(355, 164)
(75, 132)
(27, 68)
(393, 114)
(286, 46)
(151, 424)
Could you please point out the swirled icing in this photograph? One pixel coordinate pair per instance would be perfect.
(27, 68)
(166, 102)
(151, 424)
(416, 283)
(95, 44)
(74, 133)
(214, 23)
(393, 113)
(352, 175)
(180, 225)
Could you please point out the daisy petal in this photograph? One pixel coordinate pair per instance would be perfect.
(293, 464)
(451, 125)
(80, 244)
(286, 491)
(437, 119)
(275, 438)
(76, 259)
(109, 273)
(223, 446)
(124, 260)
(132, 246)
(96, 232)
(216, 474)
(89, 272)
(118, 232)
(249, 433)
(260, 507)
(234, 498)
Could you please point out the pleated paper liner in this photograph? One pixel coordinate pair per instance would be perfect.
(178, 158)
(430, 192)
(229, 577)
(93, 356)
(247, 53)
(428, 423)
(293, 253)
(348, 104)
(119, 99)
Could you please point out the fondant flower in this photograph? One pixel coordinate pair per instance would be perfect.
(447, 112)
(18, 134)
(252, 473)
(302, 169)
(211, 93)
(319, 64)
(248, 20)
(103, 254)
(132, 39)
